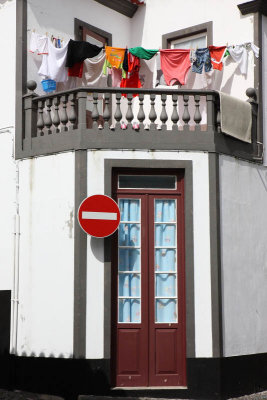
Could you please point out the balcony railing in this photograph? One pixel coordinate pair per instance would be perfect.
(166, 120)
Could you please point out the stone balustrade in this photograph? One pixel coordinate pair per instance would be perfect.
(115, 118)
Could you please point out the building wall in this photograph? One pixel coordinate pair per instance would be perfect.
(264, 81)
(49, 17)
(8, 208)
(45, 324)
(7, 68)
(243, 194)
(96, 268)
(157, 18)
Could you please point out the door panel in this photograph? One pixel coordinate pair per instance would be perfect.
(150, 291)
(166, 360)
(131, 283)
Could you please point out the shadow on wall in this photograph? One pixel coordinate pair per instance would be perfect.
(97, 248)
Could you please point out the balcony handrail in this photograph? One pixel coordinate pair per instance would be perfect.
(189, 92)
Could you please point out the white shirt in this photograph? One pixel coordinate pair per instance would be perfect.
(53, 63)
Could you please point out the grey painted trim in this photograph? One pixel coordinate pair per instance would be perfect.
(21, 70)
(77, 32)
(253, 7)
(215, 255)
(189, 240)
(208, 141)
(122, 6)
(80, 259)
(258, 76)
(192, 30)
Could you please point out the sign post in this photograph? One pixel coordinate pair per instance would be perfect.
(99, 215)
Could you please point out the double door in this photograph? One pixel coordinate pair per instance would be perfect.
(148, 346)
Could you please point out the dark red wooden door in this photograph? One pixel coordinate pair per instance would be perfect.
(148, 343)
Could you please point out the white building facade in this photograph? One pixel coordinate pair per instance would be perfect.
(184, 319)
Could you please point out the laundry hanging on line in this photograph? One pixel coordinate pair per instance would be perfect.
(175, 63)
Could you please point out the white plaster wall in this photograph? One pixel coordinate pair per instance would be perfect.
(264, 82)
(243, 195)
(7, 206)
(57, 17)
(7, 65)
(46, 256)
(95, 250)
(229, 27)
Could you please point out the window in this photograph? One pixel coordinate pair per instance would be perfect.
(195, 41)
(197, 36)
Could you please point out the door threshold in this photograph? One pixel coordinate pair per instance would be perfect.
(148, 387)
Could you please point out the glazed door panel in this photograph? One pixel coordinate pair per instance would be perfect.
(166, 292)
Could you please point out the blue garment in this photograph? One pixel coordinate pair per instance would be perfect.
(202, 59)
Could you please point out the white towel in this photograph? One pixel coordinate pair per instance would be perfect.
(236, 119)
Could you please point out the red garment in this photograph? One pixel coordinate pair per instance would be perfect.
(132, 82)
(133, 63)
(175, 64)
(76, 70)
(216, 55)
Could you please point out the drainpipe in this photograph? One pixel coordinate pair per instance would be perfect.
(15, 291)
(16, 244)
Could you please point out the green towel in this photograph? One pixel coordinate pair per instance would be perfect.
(142, 53)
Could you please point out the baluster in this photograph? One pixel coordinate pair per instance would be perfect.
(163, 114)
(95, 114)
(118, 114)
(40, 121)
(175, 115)
(152, 114)
(106, 113)
(72, 113)
(197, 115)
(129, 114)
(141, 115)
(56, 120)
(64, 116)
(47, 116)
(186, 115)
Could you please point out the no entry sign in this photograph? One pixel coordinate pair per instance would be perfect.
(99, 215)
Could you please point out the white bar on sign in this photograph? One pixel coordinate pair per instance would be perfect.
(99, 215)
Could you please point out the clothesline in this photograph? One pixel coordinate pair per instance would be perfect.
(131, 67)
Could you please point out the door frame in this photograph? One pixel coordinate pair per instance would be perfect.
(149, 326)
(187, 165)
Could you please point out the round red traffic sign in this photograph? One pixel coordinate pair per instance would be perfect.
(99, 215)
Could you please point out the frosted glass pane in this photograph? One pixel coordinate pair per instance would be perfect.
(129, 260)
(165, 285)
(147, 181)
(129, 285)
(166, 310)
(165, 259)
(129, 235)
(165, 235)
(129, 310)
(129, 209)
(165, 210)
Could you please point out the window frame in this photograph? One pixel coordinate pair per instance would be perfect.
(206, 28)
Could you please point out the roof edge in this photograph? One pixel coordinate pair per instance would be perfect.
(122, 6)
(253, 6)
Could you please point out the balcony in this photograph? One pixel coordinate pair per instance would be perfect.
(168, 120)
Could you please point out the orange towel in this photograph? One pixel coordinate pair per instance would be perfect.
(115, 56)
